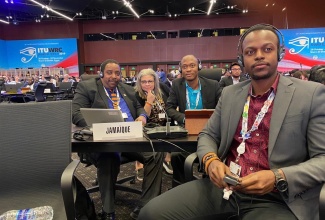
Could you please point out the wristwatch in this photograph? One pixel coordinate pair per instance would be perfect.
(280, 183)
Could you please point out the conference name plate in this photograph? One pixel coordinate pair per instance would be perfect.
(117, 130)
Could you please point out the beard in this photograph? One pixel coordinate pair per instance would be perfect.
(260, 77)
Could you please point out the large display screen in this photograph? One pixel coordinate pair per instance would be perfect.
(305, 48)
(3, 54)
(43, 53)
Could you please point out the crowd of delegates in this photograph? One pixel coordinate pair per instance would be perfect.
(234, 142)
(31, 81)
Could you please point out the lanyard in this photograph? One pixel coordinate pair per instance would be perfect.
(118, 98)
(247, 134)
(197, 98)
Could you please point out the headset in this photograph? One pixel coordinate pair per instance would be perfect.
(103, 64)
(281, 49)
(199, 65)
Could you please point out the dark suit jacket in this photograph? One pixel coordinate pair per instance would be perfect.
(91, 94)
(167, 83)
(227, 81)
(210, 92)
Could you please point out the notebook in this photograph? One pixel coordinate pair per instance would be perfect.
(13, 88)
(101, 115)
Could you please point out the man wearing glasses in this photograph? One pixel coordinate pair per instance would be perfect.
(236, 76)
(189, 92)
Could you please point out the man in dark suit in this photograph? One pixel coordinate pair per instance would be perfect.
(236, 76)
(169, 80)
(189, 92)
(99, 93)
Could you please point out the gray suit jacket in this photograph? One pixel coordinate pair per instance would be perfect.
(91, 94)
(296, 138)
(210, 91)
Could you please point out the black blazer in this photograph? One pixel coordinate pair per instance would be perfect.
(210, 91)
(91, 94)
(227, 81)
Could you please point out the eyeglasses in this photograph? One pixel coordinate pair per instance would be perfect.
(234, 69)
(147, 82)
(192, 65)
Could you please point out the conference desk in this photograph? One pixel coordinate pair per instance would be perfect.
(188, 143)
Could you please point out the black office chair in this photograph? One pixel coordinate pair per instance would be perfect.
(214, 74)
(119, 183)
(39, 92)
(35, 165)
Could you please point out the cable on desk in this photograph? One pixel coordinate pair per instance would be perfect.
(151, 144)
(173, 145)
(79, 136)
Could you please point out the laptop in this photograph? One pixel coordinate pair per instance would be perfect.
(101, 115)
(13, 88)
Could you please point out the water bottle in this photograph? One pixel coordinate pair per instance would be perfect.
(39, 213)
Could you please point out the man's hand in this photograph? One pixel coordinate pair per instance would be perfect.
(217, 171)
(142, 118)
(258, 183)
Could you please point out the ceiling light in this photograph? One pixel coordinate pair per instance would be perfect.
(273, 4)
(128, 4)
(50, 9)
(6, 1)
(104, 17)
(210, 7)
(3, 21)
(283, 9)
(266, 5)
(11, 1)
(151, 11)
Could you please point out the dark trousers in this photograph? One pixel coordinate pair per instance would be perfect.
(201, 199)
(177, 161)
(108, 167)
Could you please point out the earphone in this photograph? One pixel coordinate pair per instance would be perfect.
(103, 64)
(281, 50)
(199, 65)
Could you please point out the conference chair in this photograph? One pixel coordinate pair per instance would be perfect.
(35, 165)
(2, 86)
(119, 183)
(39, 92)
(193, 158)
(214, 74)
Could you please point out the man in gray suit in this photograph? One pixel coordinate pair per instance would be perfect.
(102, 93)
(267, 133)
(236, 76)
(189, 92)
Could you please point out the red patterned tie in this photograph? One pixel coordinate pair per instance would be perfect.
(115, 100)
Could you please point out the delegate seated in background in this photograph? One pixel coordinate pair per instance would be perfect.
(189, 92)
(107, 92)
(152, 95)
(278, 158)
(234, 78)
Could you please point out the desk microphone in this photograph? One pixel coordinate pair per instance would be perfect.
(167, 131)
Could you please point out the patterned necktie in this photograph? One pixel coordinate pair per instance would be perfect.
(115, 99)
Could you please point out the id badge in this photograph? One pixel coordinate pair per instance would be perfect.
(161, 115)
(235, 168)
(124, 115)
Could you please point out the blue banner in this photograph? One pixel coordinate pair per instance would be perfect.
(42, 53)
(305, 48)
(3, 55)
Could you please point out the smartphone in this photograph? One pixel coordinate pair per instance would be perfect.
(231, 180)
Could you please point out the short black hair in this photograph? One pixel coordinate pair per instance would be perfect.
(102, 66)
(234, 64)
(259, 27)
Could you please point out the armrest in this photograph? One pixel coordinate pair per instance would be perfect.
(188, 166)
(322, 203)
(68, 189)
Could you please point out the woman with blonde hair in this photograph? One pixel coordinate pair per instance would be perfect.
(152, 95)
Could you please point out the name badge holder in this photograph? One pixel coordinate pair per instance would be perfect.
(117, 131)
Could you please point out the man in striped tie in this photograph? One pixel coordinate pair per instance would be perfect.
(107, 92)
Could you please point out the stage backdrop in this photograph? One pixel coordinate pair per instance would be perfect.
(304, 48)
(43, 53)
